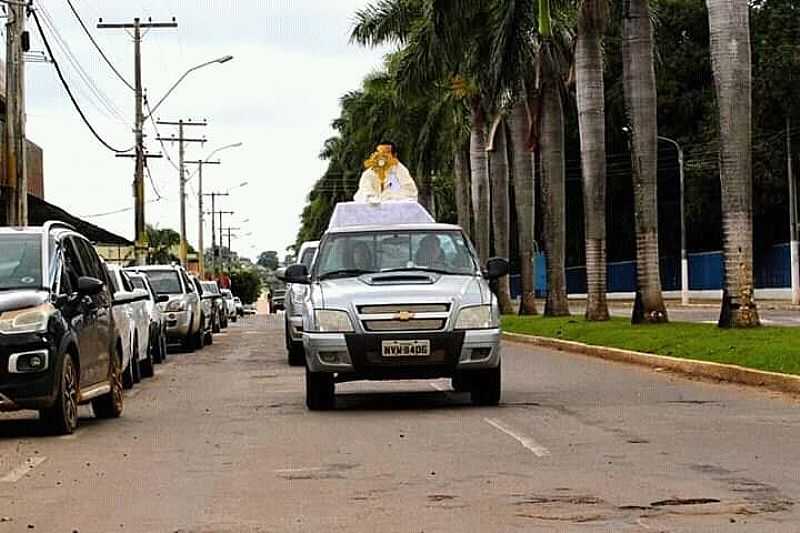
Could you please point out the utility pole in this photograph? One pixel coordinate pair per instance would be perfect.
(138, 177)
(213, 196)
(201, 260)
(230, 234)
(221, 233)
(181, 140)
(794, 245)
(15, 193)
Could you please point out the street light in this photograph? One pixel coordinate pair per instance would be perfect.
(201, 259)
(684, 254)
(220, 60)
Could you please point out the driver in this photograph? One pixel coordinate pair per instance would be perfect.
(430, 253)
(361, 257)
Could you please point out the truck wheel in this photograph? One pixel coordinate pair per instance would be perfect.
(135, 368)
(62, 417)
(320, 391)
(111, 405)
(485, 386)
(127, 376)
(197, 338)
(146, 369)
(155, 349)
(297, 354)
(188, 342)
(208, 338)
(216, 326)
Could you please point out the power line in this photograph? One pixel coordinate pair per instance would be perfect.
(158, 134)
(68, 90)
(97, 46)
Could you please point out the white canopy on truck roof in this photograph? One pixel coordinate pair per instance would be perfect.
(348, 214)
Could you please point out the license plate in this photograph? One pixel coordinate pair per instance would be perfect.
(406, 348)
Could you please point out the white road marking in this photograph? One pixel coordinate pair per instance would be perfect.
(20, 472)
(439, 387)
(528, 442)
(296, 470)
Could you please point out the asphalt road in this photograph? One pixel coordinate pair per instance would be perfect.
(702, 313)
(220, 441)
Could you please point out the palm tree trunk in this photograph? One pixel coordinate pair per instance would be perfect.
(553, 185)
(524, 187)
(480, 183)
(501, 206)
(425, 189)
(640, 102)
(591, 123)
(730, 59)
(461, 171)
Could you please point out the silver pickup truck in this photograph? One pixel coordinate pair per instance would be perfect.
(399, 301)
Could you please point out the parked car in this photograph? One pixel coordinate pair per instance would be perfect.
(207, 314)
(404, 300)
(278, 300)
(230, 304)
(58, 347)
(293, 304)
(239, 306)
(158, 322)
(220, 318)
(250, 309)
(133, 324)
(183, 309)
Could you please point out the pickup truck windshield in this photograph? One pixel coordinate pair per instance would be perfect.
(353, 254)
(165, 281)
(20, 261)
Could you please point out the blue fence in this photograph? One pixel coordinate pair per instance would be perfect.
(772, 271)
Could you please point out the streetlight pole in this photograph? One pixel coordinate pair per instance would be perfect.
(684, 253)
(794, 245)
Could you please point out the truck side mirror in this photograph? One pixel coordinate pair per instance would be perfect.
(297, 274)
(496, 268)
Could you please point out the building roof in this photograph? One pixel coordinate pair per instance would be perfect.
(40, 212)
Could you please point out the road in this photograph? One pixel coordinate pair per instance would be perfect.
(220, 441)
(703, 313)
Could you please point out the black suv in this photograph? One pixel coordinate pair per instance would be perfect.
(58, 342)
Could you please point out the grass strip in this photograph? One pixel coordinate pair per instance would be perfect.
(775, 349)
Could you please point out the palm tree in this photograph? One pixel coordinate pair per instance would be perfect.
(524, 195)
(162, 243)
(501, 215)
(461, 174)
(551, 138)
(640, 103)
(729, 26)
(592, 16)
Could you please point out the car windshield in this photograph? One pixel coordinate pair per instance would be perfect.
(20, 261)
(165, 281)
(211, 288)
(352, 254)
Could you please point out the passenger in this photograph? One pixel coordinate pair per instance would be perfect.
(361, 257)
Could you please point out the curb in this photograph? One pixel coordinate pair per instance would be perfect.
(699, 369)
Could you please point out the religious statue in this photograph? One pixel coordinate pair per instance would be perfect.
(385, 178)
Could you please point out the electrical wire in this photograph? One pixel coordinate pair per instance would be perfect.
(158, 135)
(69, 91)
(152, 181)
(97, 46)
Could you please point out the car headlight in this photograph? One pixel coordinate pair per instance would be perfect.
(175, 306)
(297, 297)
(31, 320)
(477, 317)
(331, 321)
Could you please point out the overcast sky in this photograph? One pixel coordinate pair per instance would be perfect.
(278, 96)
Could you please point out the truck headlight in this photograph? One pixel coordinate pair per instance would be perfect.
(175, 306)
(31, 320)
(477, 317)
(332, 321)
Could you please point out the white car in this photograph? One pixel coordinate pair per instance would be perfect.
(293, 304)
(133, 322)
(158, 321)
(230, 304)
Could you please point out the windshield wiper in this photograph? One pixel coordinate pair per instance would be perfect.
(345, 273)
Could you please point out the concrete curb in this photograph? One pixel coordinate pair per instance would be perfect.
(700, 369)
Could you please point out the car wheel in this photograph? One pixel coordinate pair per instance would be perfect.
(146, 369)
(320, 391)
(155, 349)
(485, 386)
(62, 417)
(224, 321)
(163, 342)
(199, 336)
(215, 325)
(234, 318)
(111, 405)
(209, 338)
(135, 368)
(127, 376)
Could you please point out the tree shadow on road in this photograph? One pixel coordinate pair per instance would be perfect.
(401, 401)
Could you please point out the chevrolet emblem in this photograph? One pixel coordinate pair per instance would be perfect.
(405, 316)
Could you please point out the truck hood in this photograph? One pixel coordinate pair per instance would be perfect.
(400, 288)
(13, 300)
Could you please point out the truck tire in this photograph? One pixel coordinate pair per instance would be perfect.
(297, 354)
(62, 417)
(111, 405)
(485, 386)
(320, 391)
(146, 369)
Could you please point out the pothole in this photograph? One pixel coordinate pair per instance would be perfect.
(684, 501)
